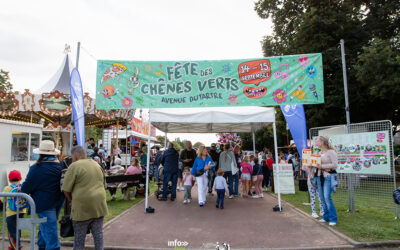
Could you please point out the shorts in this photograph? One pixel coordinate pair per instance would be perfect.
(246, 177)
(180, 173)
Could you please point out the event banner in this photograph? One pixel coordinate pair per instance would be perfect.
(286, 179)
(289, 80)
(363, 153)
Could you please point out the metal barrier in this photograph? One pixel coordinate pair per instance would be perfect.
(361, 190)
(22, 223)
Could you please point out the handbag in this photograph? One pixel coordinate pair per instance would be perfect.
(66, 227)
(199, 172)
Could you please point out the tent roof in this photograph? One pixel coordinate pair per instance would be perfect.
(212, 120)
(60, 80)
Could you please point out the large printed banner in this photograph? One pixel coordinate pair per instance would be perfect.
(296, 79)
(363, 153)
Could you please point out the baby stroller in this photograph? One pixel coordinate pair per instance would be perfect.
(159, 190)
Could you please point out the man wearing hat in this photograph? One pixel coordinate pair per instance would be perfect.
(43, 184)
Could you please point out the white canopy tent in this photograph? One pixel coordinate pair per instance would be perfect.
(212, 120)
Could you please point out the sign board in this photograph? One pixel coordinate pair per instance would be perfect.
(296, 79)
(286, 179)
(361, 153)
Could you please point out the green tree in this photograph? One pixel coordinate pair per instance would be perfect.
(5, 83)
(309, 26)
(197, 144)
(161, 140)
(95, 133)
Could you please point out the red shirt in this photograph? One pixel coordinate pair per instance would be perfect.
(270, 162)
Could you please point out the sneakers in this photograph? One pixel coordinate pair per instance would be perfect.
(315, 215)
(322, 220)
(181, 188)
(217, 206)
(332, 224)
(185, 202)
(256, 196)
(230, 197)
(261, 195)
(188, 201)
(177, 188)
(113, 197)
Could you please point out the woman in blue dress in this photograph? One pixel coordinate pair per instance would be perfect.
(201, 165)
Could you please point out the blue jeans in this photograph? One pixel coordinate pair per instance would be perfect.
(325, 191)
(220, 198)
(228, 174)
(174, 178)
(48, 233)
(235, 184)
(155, 171)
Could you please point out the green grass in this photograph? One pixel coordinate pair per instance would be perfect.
(373, 221)
(115, 208)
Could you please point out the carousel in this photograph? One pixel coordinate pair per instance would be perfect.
(50, 105)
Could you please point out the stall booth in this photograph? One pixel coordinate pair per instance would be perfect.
(18, 141)
(213, 120)
(127, 140)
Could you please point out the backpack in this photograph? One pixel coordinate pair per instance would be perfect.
(396, 195)
(15, 203)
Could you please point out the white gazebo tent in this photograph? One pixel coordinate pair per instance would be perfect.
(212, 120)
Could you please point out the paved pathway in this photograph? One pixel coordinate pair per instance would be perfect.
(244, 223)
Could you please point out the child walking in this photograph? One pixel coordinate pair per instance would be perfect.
(220, 187)
(257, 177)
(247, 169)
(187, 185)
(11, 213)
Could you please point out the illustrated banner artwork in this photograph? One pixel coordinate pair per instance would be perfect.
(363, 153)
(286, 180)
(284, 80)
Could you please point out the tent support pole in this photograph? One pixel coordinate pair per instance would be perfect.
(277, 167)
(254, 143)
(165, 140)
(126, 144)
(148, 163)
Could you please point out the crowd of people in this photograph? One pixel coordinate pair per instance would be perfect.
(220, 171)
(251, 173)
(51, 183)
(188, 167)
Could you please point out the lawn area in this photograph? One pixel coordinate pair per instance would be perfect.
(369, 223)
(114, 208)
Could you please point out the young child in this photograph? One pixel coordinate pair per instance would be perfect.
(15, 182)
(220, 187)
(134, 168)
(257, 177)
(247, 169)
(187, 185)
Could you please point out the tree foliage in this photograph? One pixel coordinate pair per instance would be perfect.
(370, 30)
(5, 83)
(197, 144)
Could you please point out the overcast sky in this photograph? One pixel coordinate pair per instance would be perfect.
(33, 35)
